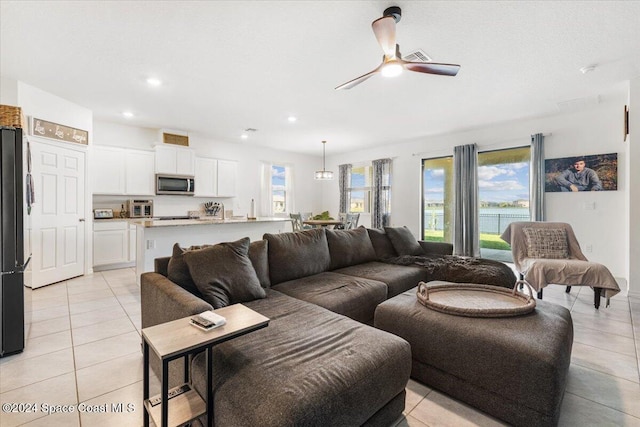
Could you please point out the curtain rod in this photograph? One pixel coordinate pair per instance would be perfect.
(493, 144)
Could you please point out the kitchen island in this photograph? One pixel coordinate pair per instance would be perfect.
(155, 238)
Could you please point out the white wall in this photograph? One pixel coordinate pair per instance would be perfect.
(594, 131)
(308, 196)
(633, 196)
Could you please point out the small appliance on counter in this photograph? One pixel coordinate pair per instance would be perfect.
(106, 213)
(140, 208)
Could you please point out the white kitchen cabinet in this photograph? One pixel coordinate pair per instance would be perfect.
(132, 243)
(175, 160)
(108, 170)
(110, 242)
(227, 176)
(139, 173)
(206, 177)
(122, 171)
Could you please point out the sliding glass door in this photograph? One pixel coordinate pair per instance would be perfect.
(503, 182)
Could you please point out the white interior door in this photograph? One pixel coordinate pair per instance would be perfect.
(58, 227)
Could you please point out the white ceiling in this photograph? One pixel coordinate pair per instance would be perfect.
(231, 65)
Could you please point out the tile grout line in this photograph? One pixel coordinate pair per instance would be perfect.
(73, 353)
(602, 404)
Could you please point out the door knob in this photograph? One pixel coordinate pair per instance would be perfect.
(81, 220)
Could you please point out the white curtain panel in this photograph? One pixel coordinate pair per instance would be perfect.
(289, 193)
(266, 202)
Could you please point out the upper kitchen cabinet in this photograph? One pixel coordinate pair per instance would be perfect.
(206, 177)
(108, 170)
(139, 176)
(227, 176)
(175, 160)
(121, 171)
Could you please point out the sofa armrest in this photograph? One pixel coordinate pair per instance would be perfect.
(439, 248)
(163, 300)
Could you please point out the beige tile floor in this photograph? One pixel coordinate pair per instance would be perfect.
(84, 351)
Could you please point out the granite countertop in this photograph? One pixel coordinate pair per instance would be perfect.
(147, 223)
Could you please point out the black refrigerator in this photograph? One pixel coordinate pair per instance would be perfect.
(12, 243)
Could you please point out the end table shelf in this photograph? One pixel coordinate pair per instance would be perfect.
(182, 408)
(176, 339)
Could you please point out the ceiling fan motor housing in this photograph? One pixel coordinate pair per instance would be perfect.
(393, 11)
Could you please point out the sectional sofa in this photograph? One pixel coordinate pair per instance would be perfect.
(318, 362)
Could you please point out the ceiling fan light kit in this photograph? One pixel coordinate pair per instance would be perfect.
(323, 175)
(392, 63)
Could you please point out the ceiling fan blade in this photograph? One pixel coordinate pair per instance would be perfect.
(385, 31)
(358, 80)
(433, 68)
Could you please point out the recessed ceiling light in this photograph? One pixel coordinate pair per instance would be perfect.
(292, 119)
(152, 81)
(127, 114)
(244, 136)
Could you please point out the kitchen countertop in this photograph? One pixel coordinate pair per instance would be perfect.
(148, 223)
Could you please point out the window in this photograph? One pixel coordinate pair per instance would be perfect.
(503, 186)
(503, 183)
(278, 189)
(360, 190)
(437, 199)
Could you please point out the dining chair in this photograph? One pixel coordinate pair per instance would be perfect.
(352, 220)
(296, 221)
(342, 217)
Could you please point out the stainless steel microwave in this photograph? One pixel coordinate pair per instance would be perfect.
(175, 184)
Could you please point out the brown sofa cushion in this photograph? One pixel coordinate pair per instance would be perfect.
(349, 247)
(381, 243)
(354, 297)
(297, 254)
(259, 256)
(224, 274)
(403, 241)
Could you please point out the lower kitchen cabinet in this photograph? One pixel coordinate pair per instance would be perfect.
(111, 243)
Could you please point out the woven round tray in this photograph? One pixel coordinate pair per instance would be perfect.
(477, 300)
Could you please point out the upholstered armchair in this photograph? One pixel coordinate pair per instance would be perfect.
(549, 253)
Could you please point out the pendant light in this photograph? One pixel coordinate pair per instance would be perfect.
(324, 174)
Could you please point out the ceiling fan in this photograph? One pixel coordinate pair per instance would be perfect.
(392, 63)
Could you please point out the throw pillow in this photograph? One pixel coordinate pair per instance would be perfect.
(178, 271)
(546, 242)
(349, 247)
(403, 241)
(224, 274)
(381, 243)
(259, 256)
(298, 254)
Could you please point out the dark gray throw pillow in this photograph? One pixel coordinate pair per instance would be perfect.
(403, 241)
(259, 256)
(178, 271)
(224, 274)
(349, 247)
(381, 243)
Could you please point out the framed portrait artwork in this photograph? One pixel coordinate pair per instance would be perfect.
(582, 173)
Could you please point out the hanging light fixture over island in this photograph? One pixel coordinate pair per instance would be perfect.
(324, 174)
